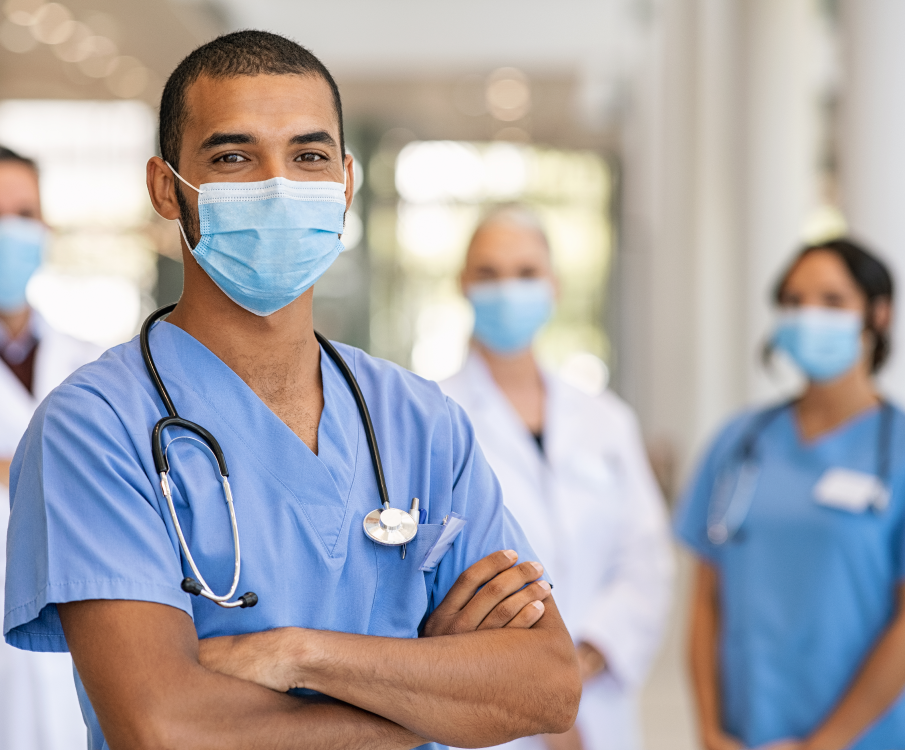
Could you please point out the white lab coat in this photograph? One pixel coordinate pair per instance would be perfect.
(593, 513)
(39, 708)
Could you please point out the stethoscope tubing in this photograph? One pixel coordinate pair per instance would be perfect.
(719, 531)
(198, 586)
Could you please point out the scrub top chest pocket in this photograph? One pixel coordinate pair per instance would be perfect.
(402, 591)
(851, 491)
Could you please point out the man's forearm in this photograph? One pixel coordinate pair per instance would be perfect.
(473, 689)
(139, 664)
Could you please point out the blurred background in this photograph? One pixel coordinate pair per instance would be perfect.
(677, 150)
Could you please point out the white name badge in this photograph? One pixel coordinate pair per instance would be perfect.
(849, 490)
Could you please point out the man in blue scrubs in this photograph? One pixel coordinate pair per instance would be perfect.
(252, 122)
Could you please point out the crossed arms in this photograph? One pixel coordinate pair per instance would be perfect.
(495, 664)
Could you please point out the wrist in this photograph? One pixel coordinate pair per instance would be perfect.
(305, 651)
(295, 648)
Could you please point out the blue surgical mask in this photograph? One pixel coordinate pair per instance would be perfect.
(508, 313)
(823, 342)
(22, 243)
(266, 243)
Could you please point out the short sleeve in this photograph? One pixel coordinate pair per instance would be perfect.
(690, 523)
(477, 496)
(85, 521)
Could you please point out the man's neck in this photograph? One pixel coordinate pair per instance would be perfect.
(15, 322)
(277, 356)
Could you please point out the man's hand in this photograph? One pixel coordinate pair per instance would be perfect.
(269, 658)
(504, 601)
(4, 471)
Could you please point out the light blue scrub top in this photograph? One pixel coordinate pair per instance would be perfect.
(89, 520)
(805, 590)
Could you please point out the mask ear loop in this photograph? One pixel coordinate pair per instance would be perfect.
(197, 190)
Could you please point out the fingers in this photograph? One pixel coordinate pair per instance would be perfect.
(529, 615)
(504, 612)
(514, 606)
(496, 591)
(485, 569)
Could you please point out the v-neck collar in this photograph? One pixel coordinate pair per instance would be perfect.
(321, 484)
(830, 435)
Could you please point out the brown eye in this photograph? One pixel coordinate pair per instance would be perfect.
(311, 157)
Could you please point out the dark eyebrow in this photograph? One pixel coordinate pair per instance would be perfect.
(223, 139)
(319, 136)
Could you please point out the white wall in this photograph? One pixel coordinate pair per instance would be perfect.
(720, 172)
(873, 144)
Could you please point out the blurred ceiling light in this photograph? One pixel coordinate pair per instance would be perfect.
(508, 94)
(53, 24)
(101, 57)
(430, 232)
(22, 12)
(128, 77)
(16, 38)
(505, 171)
(74, 49)
(439, 170)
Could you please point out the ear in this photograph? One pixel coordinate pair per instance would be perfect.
(349, 168)
(162, 188)
(881, 314)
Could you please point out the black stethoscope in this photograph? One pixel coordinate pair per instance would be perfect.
(733, 492)
(388, 526)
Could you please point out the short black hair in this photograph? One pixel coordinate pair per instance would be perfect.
(242, 53)
(8, 155)
(869, 273)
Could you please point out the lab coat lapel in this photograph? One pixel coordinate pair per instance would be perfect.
(223, 403)
(16, 407)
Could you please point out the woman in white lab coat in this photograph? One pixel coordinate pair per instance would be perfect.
(38, 704)
(574, 474)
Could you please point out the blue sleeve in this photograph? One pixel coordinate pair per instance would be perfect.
(85, 522)
(690, 522)
(477, 496)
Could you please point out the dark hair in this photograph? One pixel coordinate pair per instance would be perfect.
(869, 273)
(242, 53)
(8, 155)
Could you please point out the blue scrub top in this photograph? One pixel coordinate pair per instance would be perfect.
(89, 520)
(805, 589)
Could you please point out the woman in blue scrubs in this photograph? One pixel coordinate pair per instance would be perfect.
(797, 519)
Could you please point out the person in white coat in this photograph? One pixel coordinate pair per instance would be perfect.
(575, 475)
(39, 708)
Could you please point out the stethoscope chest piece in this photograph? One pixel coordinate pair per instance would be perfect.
(390, 527)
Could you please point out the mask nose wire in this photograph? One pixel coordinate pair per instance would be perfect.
(198, 190)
